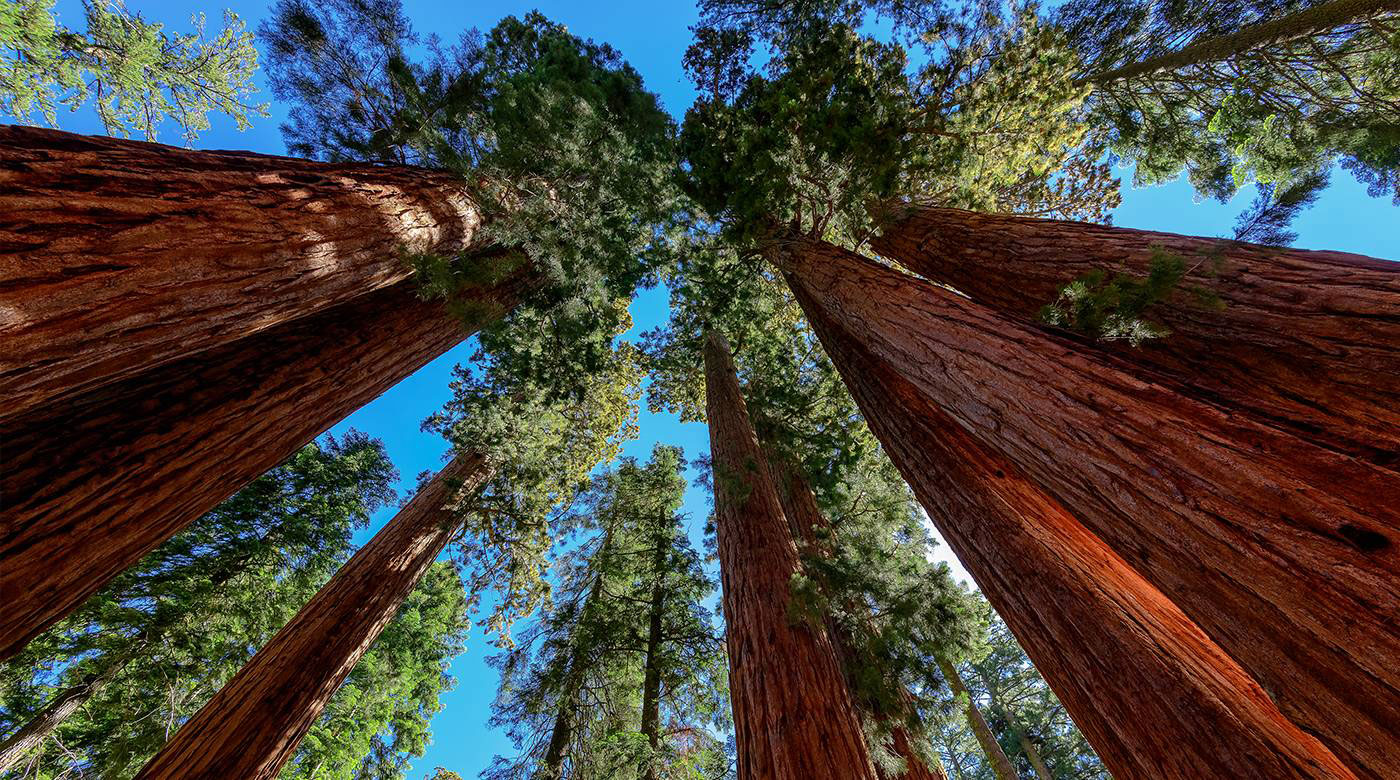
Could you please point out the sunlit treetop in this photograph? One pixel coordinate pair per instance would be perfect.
(133, 72)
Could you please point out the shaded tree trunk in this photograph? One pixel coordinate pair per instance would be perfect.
(793, 716)
(805, 517)
(92, 484)
(117, 256)
(562, 732)
(253, 725)
(1152, 693)
(996, 757)
(1282, 551)
(1033, 755)
(651, 677)
(1309, 21)
(1027, 747)
(1308, 342)
(60, 708)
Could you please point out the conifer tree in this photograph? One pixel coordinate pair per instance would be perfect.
(624, 675)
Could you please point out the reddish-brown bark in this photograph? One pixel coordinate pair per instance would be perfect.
(1152, 693)
(1282, 551)
(255, 722)
(805, 518)
(92, 483)
(1307, 341)
(118, 255)
(793, 715)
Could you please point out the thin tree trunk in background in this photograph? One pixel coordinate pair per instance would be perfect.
(651, 678)
(1308, 342)
(793, 716)
(1282, 551)
(117, 256)
(253, 725)
(92, 484)
(59, 709)
(1033, 755)
(1310, 21)
(806, 517)
(996, 757)
(552, 766)
(1153, 695)
(1027, 747)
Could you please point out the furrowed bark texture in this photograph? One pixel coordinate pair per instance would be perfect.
(1153, 695)
(1282, 551)
(996, 757)
(253, 725)
(1308, 342)
(793, 716)
(92, 484)
(117, 255)
(1310, 21)
(805, 517)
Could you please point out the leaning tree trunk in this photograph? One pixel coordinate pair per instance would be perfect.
(1310, 21)
(793, 715)
(59, 709)
(996, 757)
(651, 676)
(1280, 550)
(1033, 755)
(806, 519)
(1154, 696)
(1308, 342)
(90, 485)
(253, 725)
(117, 256)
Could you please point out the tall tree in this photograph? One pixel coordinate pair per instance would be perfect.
(1305, 341)
(136, 73)
(784, 679)
(626, 645)
(1270, 616)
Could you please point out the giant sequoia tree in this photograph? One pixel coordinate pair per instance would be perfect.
(300, 317)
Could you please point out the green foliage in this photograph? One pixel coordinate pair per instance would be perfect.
(840, 124)
(542, 442)
(134, 72)
(1016, 701)
(572, 692)
(1112, 309)
(1273, 115)
(1267, 219)
(179, 624)
(567, 154)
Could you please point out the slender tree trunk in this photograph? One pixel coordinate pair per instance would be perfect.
(251, 727)
(117, 256)
(996, 757)
(1152, 693)
(552, 766)
(1283, 552)
(806, 518)
(1310, 21)
(1033, 755)
(1308, 342)
(793, 716)
(59, 709)
(90, 485)
(651, 679)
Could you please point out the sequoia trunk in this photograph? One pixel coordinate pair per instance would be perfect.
(1310, 21)
(91, 484)
(1282, 551)
(1308, 342)
(117, 255)
(805, 517)
(1152, 693)
(793, 716)
(252, 726)
(996, 757)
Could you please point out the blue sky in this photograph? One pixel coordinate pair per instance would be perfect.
(652, 35)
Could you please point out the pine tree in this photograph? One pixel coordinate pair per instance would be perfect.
(626, 644)
(135, 73)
